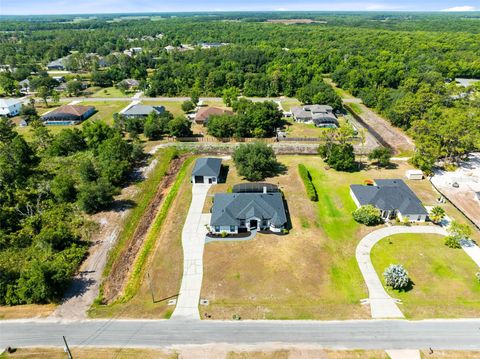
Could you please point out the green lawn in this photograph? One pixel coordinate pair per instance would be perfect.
(444, 278)
(175, 107)
(111, 92)
(288, 103)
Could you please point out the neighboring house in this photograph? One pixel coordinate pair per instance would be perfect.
(211, 45)
(392, 197)
(24, 86)
(204, 114)
(10, 107)
(141, 111)
(59, 79)
(319, 115)
(131, 83)
(206, 170)
(58, 64)
(68, 114)
(239, 212)
(133, 51)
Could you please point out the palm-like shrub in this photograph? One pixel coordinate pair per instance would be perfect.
(396, 276)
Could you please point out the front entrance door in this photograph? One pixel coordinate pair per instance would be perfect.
(210, 180)
(253, 224)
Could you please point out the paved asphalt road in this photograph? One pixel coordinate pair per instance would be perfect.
(366, 334)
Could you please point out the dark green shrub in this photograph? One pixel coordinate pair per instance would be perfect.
(307, 181)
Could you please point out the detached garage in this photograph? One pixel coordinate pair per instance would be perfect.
(206, 170)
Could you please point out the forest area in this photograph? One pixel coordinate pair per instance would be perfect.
(401, 65)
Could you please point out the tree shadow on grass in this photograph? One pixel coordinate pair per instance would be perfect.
(122, 205)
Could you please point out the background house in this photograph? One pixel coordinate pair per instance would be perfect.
(68, 114)
(141, 111)
(204, 114)
(58, 64)
(206, 170)
(392, 197)
(10, 107)
(319, 115)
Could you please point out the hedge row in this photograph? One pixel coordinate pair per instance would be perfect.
(307, 181)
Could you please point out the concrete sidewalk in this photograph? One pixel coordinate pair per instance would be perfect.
(381, 304)
(193, 242)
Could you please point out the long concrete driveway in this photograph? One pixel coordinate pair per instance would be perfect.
(193, 242)
(381, 304)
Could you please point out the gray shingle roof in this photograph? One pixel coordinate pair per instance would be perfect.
(389, 195)
(229, 208)
(207, 167)
(143, 110)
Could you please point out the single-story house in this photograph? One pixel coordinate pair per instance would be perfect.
(131, 83)
(141, 111)
(68, 114)
(58, 64)
(206, 170)
(10, 107)
(239, 212)
(319, 115)
(204, 114)
(414, 174)
(392, 197)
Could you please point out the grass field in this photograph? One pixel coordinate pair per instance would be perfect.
(310, 273)
(26, 311)
(444, 278)
(175, 107)
(287, 104)
(165, 267)
(111, 92)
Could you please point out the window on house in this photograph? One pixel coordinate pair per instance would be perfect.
(217, 228)
(242, 223)
(419, 218)
(232, 228)
(264, 223)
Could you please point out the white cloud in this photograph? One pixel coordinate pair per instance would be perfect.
(460, 8)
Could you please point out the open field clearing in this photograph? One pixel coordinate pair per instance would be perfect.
(311, 273)
(444, 283)
(164, 268)
(26, 311)
(111, 92)
(175, 107)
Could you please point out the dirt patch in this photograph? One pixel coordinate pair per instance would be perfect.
(115, 282)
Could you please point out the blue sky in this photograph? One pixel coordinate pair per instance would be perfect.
(29, 7)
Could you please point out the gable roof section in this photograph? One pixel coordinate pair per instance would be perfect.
(207, 167)
(229, 208)
(7, 102)
(389, 195)
(75, 110)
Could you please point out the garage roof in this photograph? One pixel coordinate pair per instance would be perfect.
(207, 167)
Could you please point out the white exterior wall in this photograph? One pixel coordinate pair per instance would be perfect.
(206, 179)
(11, 110)
(354, 198)
(224, 229)
(413, 217)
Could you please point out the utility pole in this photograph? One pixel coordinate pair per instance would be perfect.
(67, 349)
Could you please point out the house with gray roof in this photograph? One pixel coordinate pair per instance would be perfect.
(240, 212)
(206, 170)
(319, 115)
(392, 197)
(58, 64)
(141, 111)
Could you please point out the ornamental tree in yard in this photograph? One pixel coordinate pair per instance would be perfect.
(437, 214)
(368, 215)
(396, 276)
(255, 161)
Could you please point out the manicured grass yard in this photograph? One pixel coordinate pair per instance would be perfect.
(175, 107)
(111, 92)
(310, 273)
(444, 278)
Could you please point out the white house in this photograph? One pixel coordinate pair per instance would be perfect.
(10, 107)
(392, 197)
(206, 170)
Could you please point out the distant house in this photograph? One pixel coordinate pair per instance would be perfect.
(392, 197)
(319, 115)
(24, 86)
(130, 83)
(211, 45)
(68, 114)
(239, 212)
(141, 111)
(58, 64)
(206, 170)
(133, 51)
(59, 79)
(10, 107)
(204, 114)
